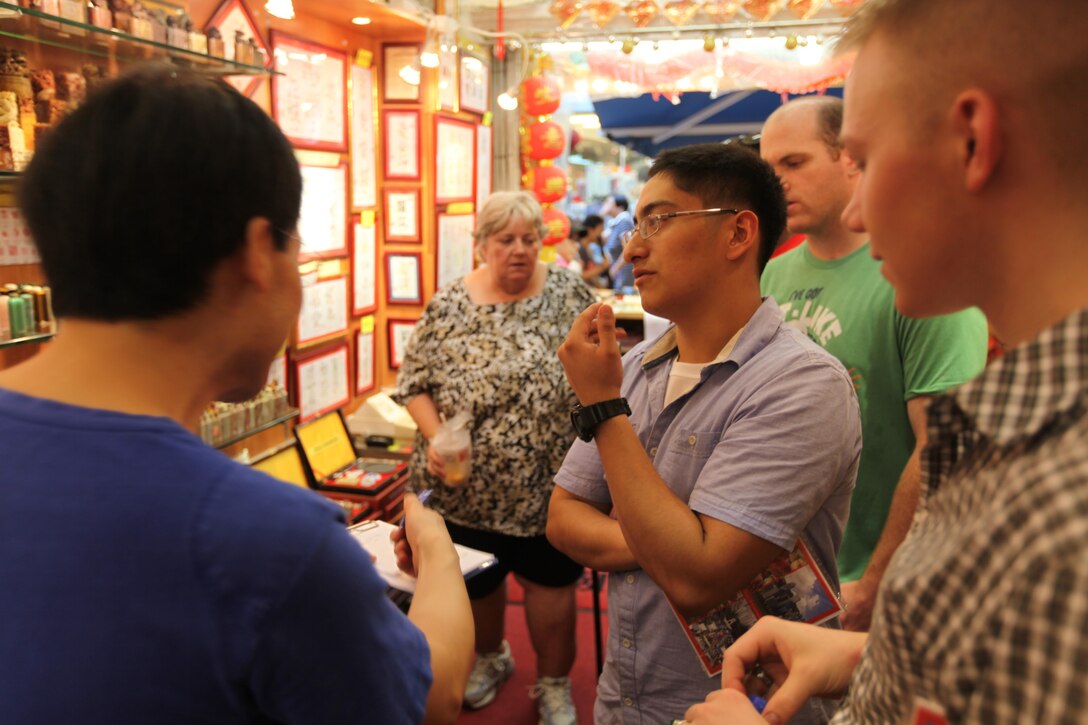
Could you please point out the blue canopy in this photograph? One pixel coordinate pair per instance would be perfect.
(649, 126)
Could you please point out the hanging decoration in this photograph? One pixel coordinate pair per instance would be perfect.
(762, 10)
(542, 141)
(565, 11)
(558, 225)
(601, 12)
(541, 95)
(721, 11)
(679, 12)
(641, 12)
(846, 7)
(805, 9)
(546, 140)
(548, 183)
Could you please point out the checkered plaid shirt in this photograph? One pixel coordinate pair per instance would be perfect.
(984, 609)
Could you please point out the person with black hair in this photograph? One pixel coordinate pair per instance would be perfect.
(591, 252)
(147, 577)
(743, 437)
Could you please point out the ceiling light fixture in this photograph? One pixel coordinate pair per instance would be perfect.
(283, 9)
(361, 21)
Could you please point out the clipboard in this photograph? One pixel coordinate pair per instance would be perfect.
(374, 537)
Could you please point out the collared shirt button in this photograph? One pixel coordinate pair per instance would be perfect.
(691, 439)
(628, 701)
(653, 451)
(630, 578)
(627, 643)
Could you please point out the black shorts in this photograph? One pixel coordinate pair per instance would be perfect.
(530, 557)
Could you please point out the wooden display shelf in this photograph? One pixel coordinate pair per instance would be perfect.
(293, 413)
(28, 339)
(38, 28)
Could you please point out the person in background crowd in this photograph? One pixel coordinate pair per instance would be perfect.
(974, 172)
(566, 256)
(743, 436)
(486, 346)
(146, 576)
(618, 224)
(831, 289)
(595, 264)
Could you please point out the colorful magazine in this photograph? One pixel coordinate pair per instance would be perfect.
(792, 587)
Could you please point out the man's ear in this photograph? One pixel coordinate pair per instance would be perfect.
(976, 125)
(744, 235)
(256, 258)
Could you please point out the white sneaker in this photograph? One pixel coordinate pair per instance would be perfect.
(555, 706)
(490, 671)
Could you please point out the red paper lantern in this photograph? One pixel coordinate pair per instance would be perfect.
(558, 226)
(546, 140)
(542, 95)
(549, 183)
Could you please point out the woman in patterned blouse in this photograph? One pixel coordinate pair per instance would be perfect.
(487, 345)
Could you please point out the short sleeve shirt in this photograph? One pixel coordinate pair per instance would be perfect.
(768, 441)
(984, 607)
(499, 364)
(847, 307)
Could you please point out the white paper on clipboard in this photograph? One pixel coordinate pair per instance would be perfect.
(374, 537)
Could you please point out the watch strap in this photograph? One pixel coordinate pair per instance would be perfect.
(587, 418)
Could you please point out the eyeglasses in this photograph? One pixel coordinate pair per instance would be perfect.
(648, 226)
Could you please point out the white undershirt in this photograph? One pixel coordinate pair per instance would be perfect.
(685, 376)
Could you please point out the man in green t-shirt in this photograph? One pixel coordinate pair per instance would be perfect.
(831, 288)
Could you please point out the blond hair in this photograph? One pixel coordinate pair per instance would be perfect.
(501, 208)
(1028, 56)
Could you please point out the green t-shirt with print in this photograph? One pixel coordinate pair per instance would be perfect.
(848, 307)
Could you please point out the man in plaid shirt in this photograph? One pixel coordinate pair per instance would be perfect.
(968, 121)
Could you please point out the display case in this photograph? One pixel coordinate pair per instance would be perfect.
(52, 54)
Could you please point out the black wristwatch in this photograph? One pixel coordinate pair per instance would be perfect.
(585, 420)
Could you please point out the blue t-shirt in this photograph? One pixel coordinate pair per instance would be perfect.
(148, 578)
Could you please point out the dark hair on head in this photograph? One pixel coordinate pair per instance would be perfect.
(136, 197)
(729, 175)
(591, 221)
(621, 202)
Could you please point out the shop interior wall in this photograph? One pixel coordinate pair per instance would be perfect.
(348, 39)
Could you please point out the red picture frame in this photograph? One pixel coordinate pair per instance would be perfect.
(401, 155)
(331, 288)
(400, 226)
(403, 278)
(398, 329)
(314, 208)
(232, 13)
(335, 139)
(301, 363)
(360, 387)
(360, 257)
(394, 89)
(447, 161)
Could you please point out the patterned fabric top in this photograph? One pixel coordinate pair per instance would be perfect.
(499, 363)
(984, 609)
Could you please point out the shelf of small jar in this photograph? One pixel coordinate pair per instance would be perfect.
(34, 26)
(293, 413)
(28, 339)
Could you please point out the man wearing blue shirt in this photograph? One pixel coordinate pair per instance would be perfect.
(147, 577)
(619, 224)
(743, 435)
